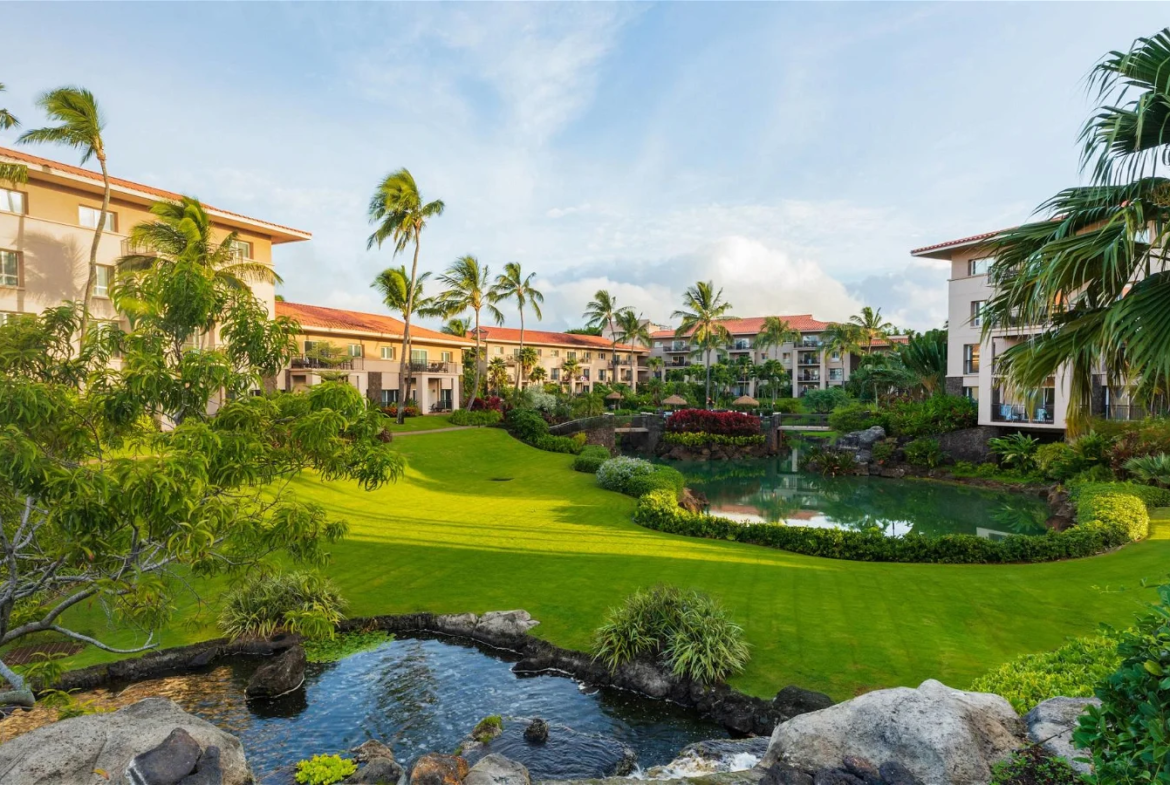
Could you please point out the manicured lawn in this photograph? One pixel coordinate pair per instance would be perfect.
(483, 522)
(425, 423)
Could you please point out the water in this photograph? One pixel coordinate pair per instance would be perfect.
(772, 491)
(417, 696)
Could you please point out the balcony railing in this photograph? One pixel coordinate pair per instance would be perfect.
(429, 367)
(678, 362)
(808, 360)
(332, 364)
(1016, 413)
(808, 376)
(678, 347)
(1125, 412)
(810, 342)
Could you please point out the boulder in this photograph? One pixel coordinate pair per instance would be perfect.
(496, 625)
(497, 770)
(208, 770)
(285, 673)
(436, 769)
(169, 762)
(894, 773)
(793, 700)
(835, 777)
(862, 769)
(1051, 725)
(368, 750)
(940, 734)
(715, 755)
(378, 771)
(781, 773)
(536, 732)
(71, 750)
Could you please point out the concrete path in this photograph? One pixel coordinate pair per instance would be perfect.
(396, 434)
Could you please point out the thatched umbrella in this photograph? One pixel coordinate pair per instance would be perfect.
(745, 402)
(674, 400)
(614, 396)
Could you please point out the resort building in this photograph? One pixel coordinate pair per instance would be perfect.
(365, 349)
(47, 227)
(592, 353)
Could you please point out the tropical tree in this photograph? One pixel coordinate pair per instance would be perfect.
(772, 372)
(603, 312)
(526, 361)
(403, 295)
(497, 374)
(570, 372)
(455, 326)
(467, 283)
(1088, 273)
(538, 375)
(925, 356)
(871, 327)
(775, 333)
(79, 125)
(513, 284)
(10, 173)
(655, 364)
(702, 318)
(633, 331)
(400, 214)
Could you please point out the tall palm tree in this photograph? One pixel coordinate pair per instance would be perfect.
(400, 214)
(633, 331)
(538, 375)
(400, 296)
(527, 361)
(513, 284)
(655, 365)
(603, 312)
(467, 283)
(1088, 274)
(456, 326)
(772, 371)
(10, 173)
(871, 327)
(570, 370)
(497, 374)
(702, 318)
(79, 125)
(774, 333)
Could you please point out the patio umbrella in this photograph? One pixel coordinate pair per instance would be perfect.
(614, 396)
(745, 401)
(674, 400)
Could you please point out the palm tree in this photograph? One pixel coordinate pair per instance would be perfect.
(634, 331)
(456, 326)
(926, 357)
(467, 283)
(774, 333)
(602, 312)
(10, 173)
(772, 371)
(538, 375)
(1089, 269)
(80, 125)
(702, 314)
(871, 327)
(400, 297)
(400, 215)
(570, 370)
(497, 374)
(513, 284)
(655, 365)
(526, 361)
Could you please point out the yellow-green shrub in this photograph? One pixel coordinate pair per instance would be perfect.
(1123, 510)
(1073, 671)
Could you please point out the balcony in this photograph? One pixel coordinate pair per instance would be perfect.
(429, 367)
(809, 360)
(810, 343)
(327, 364)
(1039, 412)
(678, 362)
(1129, 412)
(678, 346)
(808, 376)
(741, 346)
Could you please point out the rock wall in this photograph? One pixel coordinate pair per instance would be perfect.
(969, 444)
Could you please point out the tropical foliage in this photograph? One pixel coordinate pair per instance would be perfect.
(468, 284)
(300, 602)
(10, 173)
(702, 318)
(514, 285)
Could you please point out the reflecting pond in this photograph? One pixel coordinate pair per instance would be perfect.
(775, 491)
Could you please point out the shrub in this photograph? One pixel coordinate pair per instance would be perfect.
(590, 458)
(543, 402)
(923, 451)
(663, 477)
(884, 451)
(786, 406)
(324, 770)
(565, 444)
(475, 417)
(723, 423)
(526, 425)
(300, 602)
(1058, 461)
(687, 630)
(492, 403)
(1118, 509)
(411, 411)
(1127, 734)
(826, 400)
(344, 645)
(1074, 670)
(1017, 451)
(636, 477)
(1033, 766)
(830, 462)
(1150, 469)
(1081, 492)
(936, 415)
(701, 439)
(856, 417)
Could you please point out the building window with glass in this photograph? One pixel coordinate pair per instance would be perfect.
(242, 249)
(977, 312)
(971, 358)
(836, 374)
(355, 350)
(556, 374)
(9, 268)
(389, 397)
(971, 393)
(570, 355)
(103, 276)
(387, 352)
(601, 374)
(418, 355)
(11, 201)
(979, 266)
(89, 217)
(445, 356)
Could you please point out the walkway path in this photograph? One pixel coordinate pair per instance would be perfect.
(396, 434)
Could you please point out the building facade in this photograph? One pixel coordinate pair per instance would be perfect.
(593, 353)
(365, 350)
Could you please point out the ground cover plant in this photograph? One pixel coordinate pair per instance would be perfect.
(1074, 670)
(324, 770)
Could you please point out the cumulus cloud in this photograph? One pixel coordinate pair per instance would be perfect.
(914, 297)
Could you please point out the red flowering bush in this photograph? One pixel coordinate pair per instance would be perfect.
(721, 423)
(392, 411)
(492, 403)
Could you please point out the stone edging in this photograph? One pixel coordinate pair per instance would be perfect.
(736, 711)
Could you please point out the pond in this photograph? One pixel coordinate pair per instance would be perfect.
(774, 491)
(417, 696)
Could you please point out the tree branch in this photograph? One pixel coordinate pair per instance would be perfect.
(77, 636)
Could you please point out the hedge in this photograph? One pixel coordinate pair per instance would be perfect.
(701, 439)
(589, 460)
(703, 421)
(1071, 671)
(477, 417)
(660, 511)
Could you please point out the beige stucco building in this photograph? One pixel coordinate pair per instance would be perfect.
(593, 353)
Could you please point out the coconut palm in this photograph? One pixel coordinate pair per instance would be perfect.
(467, 283)
(10, 173)
(926, 357)
(775, 333)
(538, 375)
(497, 374)
(79, 125)
(634, 331)
(871, 327)
(400, 297)
(513, 284)
(456, 326)
(400, 214)
(1089, 269)
(601, 312)
(526, 361)
(655, 365)
(772, 371)
(570, 371)
(702, 318)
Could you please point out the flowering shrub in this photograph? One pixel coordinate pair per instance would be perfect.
(700, 438)
(392, 411)
(722, 423)
(494, 402)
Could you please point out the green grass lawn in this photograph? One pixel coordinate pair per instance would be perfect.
(483, 522)
(424, 423)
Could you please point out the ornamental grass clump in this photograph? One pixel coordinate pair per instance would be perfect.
(300, 602)
(686, 630)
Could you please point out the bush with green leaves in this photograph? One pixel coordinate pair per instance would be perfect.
(687, 631)
(1125, 510)
(1031, 765)
(1016, 451)
(826, 400)
(884, 451)
(662, 478)
(526, 424)
(830, 462)
(324, 770)
(934, 416)
(1058, 461)
(701, 439)
(1074, 670)
(924, 451)
(543, 402)
(266, 603)
(550, 443)
(1150, 469)
(479, 417)
(637, 477)
(590, 458)
(856, 417)
(1128, 735)
(1081, 492)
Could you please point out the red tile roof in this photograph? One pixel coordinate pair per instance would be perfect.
(310, 316)
(753, 324)
(956, 243)
(89, 174)
(512, 335)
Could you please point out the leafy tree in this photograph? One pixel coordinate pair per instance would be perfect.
(526, 361)
(655, 364)
(601, 312)
(882, 376)
(10, 173)
(570, 372)
(513, 284)
(584, 331)
(871, 327)
(400, 215)
(467, 283)
(497, 374)
(455, 326)
(925, 356)
(98, 504)
(773, 372)
(702, 318)
(79, 125)
(634, 331)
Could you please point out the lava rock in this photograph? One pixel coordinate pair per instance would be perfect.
(284, 674)
(783, 774)
(379, 771)
(497, 770)
(436, 769)
(894, 773)
(793, 700)
(169, 762)
(368, 750)
(208, 770)
(536, 732)
(862, 769)
(1051, 725)
(835, 777)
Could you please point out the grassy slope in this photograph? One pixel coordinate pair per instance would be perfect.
(452, 538)
(425, 423)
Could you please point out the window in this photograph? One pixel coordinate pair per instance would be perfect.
(11, 201)
(600, 356)
(971, 393)
(89, 217)
(540, 352)
(445, 356)
(836, 374)
(418, 355)
(570, 355)
(104, 275)
(355, 350)
(585, 374)
(556, 352)
(786, 357)
(971, 358)
(977, 312)
(387, 352)
(9, 268)
(499, 350)
(241, 249)
(979, 266)
(601, 374)
(588, 357)
(678, 346)
(516, 352)
(658, 344)
(835, 356)
(389, 397)
(309, 346)
(556, 374)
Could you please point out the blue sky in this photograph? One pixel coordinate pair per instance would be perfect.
(792, 153)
